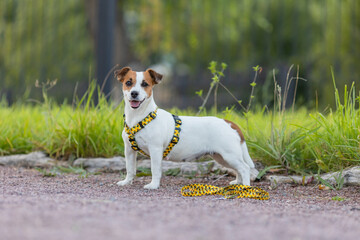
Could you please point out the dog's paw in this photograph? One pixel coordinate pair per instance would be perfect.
(152, 186)
(235, 182)
(123, 182)
(253, 174)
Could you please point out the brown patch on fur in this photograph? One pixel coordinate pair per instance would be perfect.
(120, 74)
(130, 76)
(156, 77)
(236, 128)
(150, 81)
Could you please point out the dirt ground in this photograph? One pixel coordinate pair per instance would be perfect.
(69, 207)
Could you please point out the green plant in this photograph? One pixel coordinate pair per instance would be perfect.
(54, 171)
(326, 183)
(339, 181)
(266, 169)
(217, 74)
(191, 175)
(284, 145)
(338, 198)
(143, 171)
(205, 170)
(336, 144)
(46, 173)
(91, 129)
(173, 172)
(73, 170)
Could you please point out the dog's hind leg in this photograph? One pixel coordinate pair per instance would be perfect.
(236, 163)
(246, 155)
(253, 171)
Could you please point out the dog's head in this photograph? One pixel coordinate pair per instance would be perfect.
(137, 86)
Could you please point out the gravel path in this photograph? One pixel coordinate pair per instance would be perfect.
(69, 207)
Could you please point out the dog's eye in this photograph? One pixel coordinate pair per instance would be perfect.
(128, 83)
(144, 84)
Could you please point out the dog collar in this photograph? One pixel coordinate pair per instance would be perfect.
(132, 131)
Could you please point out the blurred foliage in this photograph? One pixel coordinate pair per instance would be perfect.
(43, 40)
(50, 39)
(314, 34)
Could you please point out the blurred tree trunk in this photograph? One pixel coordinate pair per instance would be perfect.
(123, 55)
(111, 45)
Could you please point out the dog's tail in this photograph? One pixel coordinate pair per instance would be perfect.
(244, 149)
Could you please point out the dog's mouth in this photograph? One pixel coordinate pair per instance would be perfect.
(135, 104)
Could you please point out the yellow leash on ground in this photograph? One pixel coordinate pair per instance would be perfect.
(231, 191)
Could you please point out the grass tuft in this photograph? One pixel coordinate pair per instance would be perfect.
(61, 131)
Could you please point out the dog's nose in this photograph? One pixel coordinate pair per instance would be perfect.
(134, 94)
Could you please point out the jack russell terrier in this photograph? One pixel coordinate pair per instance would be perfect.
(160, 135)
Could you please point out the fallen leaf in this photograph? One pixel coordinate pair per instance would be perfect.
(323, 187)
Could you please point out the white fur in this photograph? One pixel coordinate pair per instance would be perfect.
(199, 136)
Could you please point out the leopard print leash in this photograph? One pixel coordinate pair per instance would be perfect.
(231, 191)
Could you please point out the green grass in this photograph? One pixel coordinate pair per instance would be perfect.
(338, 198)
(58, 170)
(306, 142)
(297, 141)
(63, 131)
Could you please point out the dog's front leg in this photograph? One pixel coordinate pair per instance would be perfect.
(156, 171)
(130, 158)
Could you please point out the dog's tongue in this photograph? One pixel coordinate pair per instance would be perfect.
(135, 104)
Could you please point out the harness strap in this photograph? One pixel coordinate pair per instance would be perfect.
(151, 116)
(175, 139)
(231, 191)
(132, 131)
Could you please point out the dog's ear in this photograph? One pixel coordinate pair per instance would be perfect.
(154, 75)
(120, 74)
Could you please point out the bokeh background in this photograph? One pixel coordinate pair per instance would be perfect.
(75, 41)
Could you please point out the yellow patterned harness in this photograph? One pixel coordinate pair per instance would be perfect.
(132, 131)
(231, 191)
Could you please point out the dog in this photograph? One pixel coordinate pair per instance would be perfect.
(152, 131)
